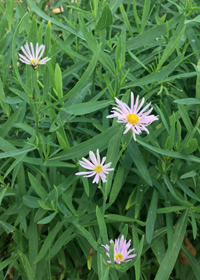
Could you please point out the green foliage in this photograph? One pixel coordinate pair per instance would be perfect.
(53, 223)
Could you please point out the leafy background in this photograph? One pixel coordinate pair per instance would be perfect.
(52, 223)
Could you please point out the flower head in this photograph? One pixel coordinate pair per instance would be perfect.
(121, 252)
(33, 57)
(96, 166)
(135, 120)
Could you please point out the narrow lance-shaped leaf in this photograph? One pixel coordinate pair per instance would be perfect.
(171, 255)
(151, 216)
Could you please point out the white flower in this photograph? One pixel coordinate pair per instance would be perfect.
(135, 120)
(121, 252)
(33, 57)
(96, 166)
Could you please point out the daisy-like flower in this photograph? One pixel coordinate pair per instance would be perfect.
(33, 57)
(135, 120)
(96, 166)
(121, 252)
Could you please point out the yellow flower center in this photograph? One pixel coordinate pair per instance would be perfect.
(133, 119)
(98, 168)
(119, 257)
(34, 62)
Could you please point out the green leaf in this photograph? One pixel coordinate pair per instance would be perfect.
(163, 118)
(172, 133)
(21, 94)
(139, 161)
(48, 38)
(188, 101)
(150, 35)
(31, 201)
(88, 236)
(58, 81)
(93, 44)
(169, 153)
(192, 260)
(151, 216)
(190, 174)
(7, 261)
(105, 19)
(186, 190)
(5, 107)
(2, 193)
(62, 239)
(193, 37)
(169, 186)
(48, 241)
(145, 14)
(175, 170)
(185, 117)
(126, 20)
(171, 255)
(9, 123)
(98, 142)
(156, 76)
(102, 225)
(26, 266)
(9, 11)
(47, 219)
(7, 227)
(87, 107)
(117, 184)
(171, 209)
(112, 156)
(190, 147)
(114, 5)
(194, 224)
(38, 188)
(158, 233)
(45, 206)
(16, 152)
(32, 36)
(173, 43)
(125, 219)
(79, 10)
(40, 13)
(84, 78)
(33, 242)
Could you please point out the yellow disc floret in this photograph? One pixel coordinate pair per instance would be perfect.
(98, 168)
(133, 119)
(119, 257)
(34, 61)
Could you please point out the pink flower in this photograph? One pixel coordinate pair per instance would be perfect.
(121, 252)
(135, 120)
(96, 166)
(33, 57)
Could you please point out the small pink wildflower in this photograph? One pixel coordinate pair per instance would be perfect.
(96, 166)
(135, 120)
(121, 252)
(33, 57)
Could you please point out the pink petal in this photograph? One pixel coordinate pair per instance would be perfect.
(32, 48)
(103, 177)
(132, 100)
(85, 173)
(96, 179)
(41, 51)
(88, 162)
(98, 157)
(137, 109)
(93, 158)
(24, 51)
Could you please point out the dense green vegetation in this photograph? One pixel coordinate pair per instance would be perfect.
(53, 223)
